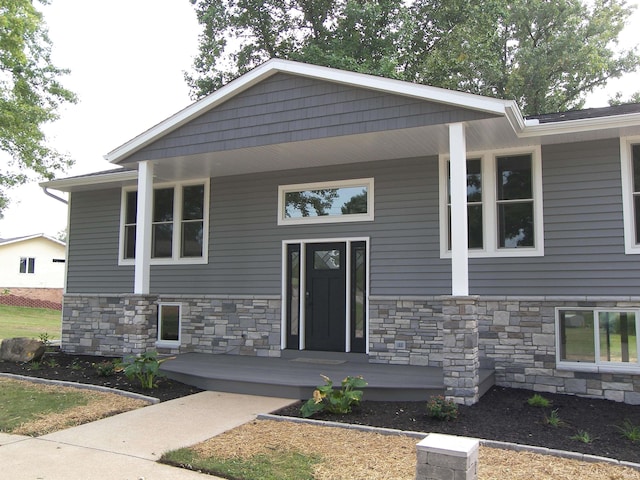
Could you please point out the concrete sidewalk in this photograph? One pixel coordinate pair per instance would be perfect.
(126, 446)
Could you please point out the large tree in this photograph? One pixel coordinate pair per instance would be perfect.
(30, 96)
(545, 54)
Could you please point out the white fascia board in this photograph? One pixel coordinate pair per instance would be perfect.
(31, 237)
(68, 184)
(273, 66)
(577, 126)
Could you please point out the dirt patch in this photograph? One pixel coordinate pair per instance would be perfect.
(371, 456)
(100, 405)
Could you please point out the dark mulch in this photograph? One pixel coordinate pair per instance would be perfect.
(56, 365)
(504, 415)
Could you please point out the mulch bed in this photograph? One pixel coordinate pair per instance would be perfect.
(502, 414)
(56, 365)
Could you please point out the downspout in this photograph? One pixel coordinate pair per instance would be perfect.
(47, 192)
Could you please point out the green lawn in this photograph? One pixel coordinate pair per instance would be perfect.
(23, 402)
(29, 322)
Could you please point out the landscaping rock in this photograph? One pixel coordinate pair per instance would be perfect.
(21, 350)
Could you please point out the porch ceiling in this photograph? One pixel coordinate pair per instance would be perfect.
(387, 145)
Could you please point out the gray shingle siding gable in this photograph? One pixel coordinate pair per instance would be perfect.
(287, 108)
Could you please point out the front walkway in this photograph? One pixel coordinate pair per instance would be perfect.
(127, 446)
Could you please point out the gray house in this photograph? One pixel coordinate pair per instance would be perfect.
(307, 208)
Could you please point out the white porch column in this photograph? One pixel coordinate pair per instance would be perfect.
(143, 228)
(458, 190)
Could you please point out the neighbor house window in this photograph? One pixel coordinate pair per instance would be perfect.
(169, 324)
(504, 205)
(178, 228)
(594, 338)
(27, 265)
(326, 202)
(630, 163)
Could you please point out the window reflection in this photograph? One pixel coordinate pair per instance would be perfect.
(326, 202)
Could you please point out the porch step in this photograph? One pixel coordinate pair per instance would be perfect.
(299, 376)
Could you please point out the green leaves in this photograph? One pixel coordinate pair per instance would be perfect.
(342, 400)
(545, 55)
(30, 95)
(145, 368)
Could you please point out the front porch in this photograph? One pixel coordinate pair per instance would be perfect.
(296, 375)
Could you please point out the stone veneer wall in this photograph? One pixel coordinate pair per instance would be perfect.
(517, 339)
(127, 324)
(416, 321)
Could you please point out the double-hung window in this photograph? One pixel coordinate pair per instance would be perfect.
(504, 204)
(179, 224)
(597, 339)
(630, 164)
(27, 265)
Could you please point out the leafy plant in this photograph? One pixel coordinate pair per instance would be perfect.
(630, 431)
(553, 419)
(45, 339)
(538, 401)
(442, 409)
(145, 368)
(106, 368)
(75, 365)
(35, 365)
(583, 436)
(51, 363)
(341, 400)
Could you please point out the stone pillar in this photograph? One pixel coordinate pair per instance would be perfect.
(460, 353)
(139, 329)
(447, 457)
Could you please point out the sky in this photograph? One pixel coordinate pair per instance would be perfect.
(127, 60)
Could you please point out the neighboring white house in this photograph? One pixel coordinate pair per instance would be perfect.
(32, 267)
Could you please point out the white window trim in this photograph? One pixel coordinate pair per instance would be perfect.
(177, 222)
(169, 343)
(489, 197)
(626, 169)
(301, 314)
(598, 366)
(358, 217)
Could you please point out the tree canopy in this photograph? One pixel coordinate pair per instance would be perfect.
(30, 96)
(545, 54)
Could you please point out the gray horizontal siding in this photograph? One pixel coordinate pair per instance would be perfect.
(584, 250)
(286, 108)
(246, 242)
(584, 239)
(93, 244)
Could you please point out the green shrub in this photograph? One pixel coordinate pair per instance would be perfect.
(145, 368)
(538, 401)
(442, 409)
(106, 368)
(341, 400)
(553, 419)
(630, 431)
(583, 436)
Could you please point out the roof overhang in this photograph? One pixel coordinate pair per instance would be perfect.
(110, 179)
(274, 66)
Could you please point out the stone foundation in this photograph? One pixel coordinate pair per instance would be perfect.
(515, 337)
(416, 322)
(127, 324)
